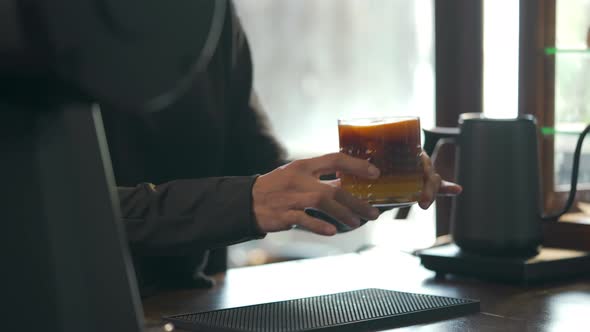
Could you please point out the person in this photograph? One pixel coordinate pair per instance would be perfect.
(202, 152)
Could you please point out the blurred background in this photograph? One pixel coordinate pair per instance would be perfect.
(317, 61)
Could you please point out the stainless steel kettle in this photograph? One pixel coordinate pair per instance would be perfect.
(499, 211)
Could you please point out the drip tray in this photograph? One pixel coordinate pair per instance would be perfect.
(366, 309)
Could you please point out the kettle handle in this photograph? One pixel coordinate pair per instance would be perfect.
(434, 135)
(574, 179)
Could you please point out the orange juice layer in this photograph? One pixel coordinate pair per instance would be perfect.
(386, 189)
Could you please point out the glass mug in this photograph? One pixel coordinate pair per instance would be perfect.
(393, 145)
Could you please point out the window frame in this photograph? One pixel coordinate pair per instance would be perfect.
(537, 97)
(459, 80)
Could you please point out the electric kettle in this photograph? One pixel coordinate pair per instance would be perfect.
(499, 211)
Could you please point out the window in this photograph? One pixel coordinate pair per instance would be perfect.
(500, 79)
(564, 96)
(554, 85)
(569, 59)
(319, 60)
(316, 61)
(572, 88)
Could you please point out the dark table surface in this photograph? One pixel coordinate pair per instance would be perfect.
(554, 306)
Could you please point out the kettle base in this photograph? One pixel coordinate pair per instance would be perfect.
(481, 248)
(549, 264)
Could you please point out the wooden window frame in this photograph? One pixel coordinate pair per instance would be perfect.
(459, 89)
(459, 80)
(537, 97)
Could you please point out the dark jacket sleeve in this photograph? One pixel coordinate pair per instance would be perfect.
(255, 150)
(184, 216)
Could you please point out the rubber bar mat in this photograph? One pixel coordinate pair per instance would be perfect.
(366, 309)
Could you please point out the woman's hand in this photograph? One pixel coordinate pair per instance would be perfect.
(280, 197)
(434, 184)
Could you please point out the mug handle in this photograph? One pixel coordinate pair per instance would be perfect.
(436, 137)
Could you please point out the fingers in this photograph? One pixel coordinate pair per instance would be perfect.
(281, 196)
(298, 217)
(449, 189)
(426, 163)
(324, 202)
(431, 182)
(429, 190)
(327, 195)
(334, 183)
(357, 206)
(434, 185)
(338, 162)
(284, 210)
